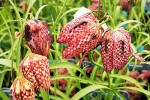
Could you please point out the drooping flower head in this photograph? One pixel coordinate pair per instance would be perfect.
(37, 37)
(35, 68)
(81, 34)
(22, 89)
(116, 49)
(127, 4)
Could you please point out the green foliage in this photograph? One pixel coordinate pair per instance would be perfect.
(58, 13)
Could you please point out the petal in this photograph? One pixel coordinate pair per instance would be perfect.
(83, 42)
(66, 35)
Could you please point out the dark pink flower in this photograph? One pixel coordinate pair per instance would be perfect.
(37, 37)
(116, 49)
(35, 68)
(145, 75)
(134, 74)
(95, 5)
(127, 4)
(81, 34)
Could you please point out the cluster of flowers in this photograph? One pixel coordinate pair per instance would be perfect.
(82, 34)
(34, 67)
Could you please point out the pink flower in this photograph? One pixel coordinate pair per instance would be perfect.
(145, 75)
(116, 49)
(22, 89)
(127, 4)
(35, 68)
(134, 74)
(81, 35)
(37, 37)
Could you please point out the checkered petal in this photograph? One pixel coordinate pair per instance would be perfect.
(116, 49)
(22, 89)
(37, 37)
(35, 68)
(81, 34)
(66, 34)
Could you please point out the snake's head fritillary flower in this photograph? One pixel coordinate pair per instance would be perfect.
(144, 75)
(81, 34)
(127, 4)
(116, 49)
(22, 89)
(37, 37)
(94, 5)
(134, 74)
(35, 68)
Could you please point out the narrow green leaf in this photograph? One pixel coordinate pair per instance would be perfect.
(73, 78)
(137, 89)
(125, 77)
(44, 94)
(59, 93)
(5, 71)
(67, 65)
(7, 62)
(126, 22)
(91, 88)
(39, 10)
(68, 11)
(3, 95)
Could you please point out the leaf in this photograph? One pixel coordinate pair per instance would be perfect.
(5, 71)
(67, 65)
(126, 22)
(125, 77)
(73, 78)
(91, 88)
(59, 93)
(4, 96)
(44, 94)
(7, 62)
(137, 89)
(39, 10)
(68, 11)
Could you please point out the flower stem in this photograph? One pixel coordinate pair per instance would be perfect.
(98, 15)
(109, 83)
(112, 21)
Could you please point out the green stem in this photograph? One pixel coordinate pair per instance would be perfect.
(112, 21)
(109, 83)
(98, 15)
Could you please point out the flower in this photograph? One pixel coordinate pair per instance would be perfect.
(22, 89)
(37, 37)
(127, 4)
(23, 5)
(35, 68)
(81, 34)
(95, 5)
(145, 75)
(134, 74)
(116, 49)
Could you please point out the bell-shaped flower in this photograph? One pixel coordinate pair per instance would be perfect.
(37, 37)
(22, 89)
(35, 68)
(81, 34)
(116, 49)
